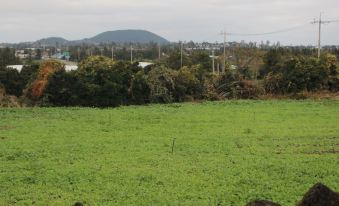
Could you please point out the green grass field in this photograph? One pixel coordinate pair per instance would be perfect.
(226, 153)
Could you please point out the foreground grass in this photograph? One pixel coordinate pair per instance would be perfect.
(226, 153)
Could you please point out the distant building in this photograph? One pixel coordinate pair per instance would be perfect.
(19, 67)
(21, 54)
(69, 68)
(145, 64)
(62, 56)
(16, 67)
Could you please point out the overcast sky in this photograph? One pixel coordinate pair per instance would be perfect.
(198, 20)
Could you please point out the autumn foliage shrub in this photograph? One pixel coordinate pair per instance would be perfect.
(37, 87)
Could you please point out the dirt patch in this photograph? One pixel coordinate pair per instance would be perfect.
(6, 127)
(320, 195)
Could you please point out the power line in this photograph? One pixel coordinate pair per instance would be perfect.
(268, 33)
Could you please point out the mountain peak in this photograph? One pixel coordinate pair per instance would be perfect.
(117, 36)
(129, 35)
(52, 41)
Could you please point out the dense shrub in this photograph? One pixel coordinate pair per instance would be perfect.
(232, 85)
(98, 82)
(187, 84)
(174, 60)
(330, 62)
(7, 57)
(298, 74)
(274, 83)
(272, 62)
(161, 82)
(11, 81)
(139, 90)
(105, 82)
(210, 88)
(101, 82)
(28, 73)
(7, 100)
(63, 89)
(37, 88)
(2, 91)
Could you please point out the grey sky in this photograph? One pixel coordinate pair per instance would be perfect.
(198, 20)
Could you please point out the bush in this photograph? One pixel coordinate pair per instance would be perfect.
(330, 62)
(139, 89)
(161, 81)
(187, 85)
(247, 89)
(274, 83)
(11, 81)
(210, 88)
(63, 89)
(28, 74)
(105, 82)
(2, 92)
(302, 74)
(37, 88)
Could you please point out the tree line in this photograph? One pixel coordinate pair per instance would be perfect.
(102, 82)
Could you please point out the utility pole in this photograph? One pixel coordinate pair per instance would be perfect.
(78, 54)
(213, 67)
(181, 54)
(112, 53)
(223, 66)
(159, 52)
(320, 22)
(131, 54)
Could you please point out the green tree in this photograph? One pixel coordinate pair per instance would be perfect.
(140, 90)
(63, 89)
(7, 57)
(202, 58)
(11, 81)
(161, 81)
(174, 60)
(187, 84)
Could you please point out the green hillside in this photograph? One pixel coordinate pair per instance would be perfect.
(134, 36)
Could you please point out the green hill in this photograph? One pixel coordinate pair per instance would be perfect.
(52, 41)
(133, 36)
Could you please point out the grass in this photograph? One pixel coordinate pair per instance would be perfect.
(226, 153)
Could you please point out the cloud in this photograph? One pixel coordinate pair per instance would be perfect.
(197, 20)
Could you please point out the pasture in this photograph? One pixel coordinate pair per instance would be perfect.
(225, 153)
